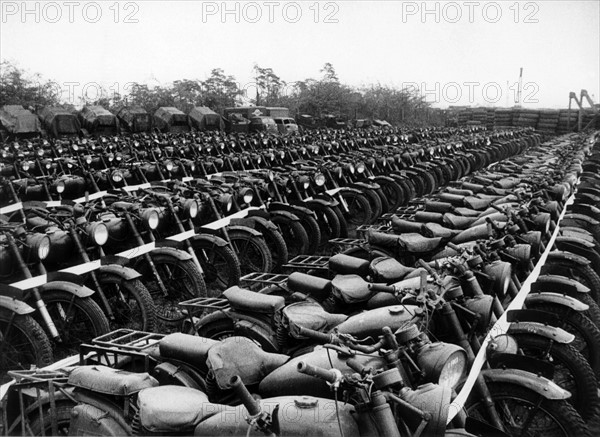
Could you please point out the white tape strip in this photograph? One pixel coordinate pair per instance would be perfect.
(226, 220)
(137, 251)
(11, 208)
(26, 284)
(183, 236)
(501, 326)
(92, 196)
(334, 191)
(53, 203)
(130, 188)
(187, 179)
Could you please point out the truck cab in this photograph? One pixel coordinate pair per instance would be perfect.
(286, 125)
(263, 124)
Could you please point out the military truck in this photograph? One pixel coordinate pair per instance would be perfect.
(97, 121)
(134, 119)
(18, 122)
(170, 119)
(203, 118)
(59, 122)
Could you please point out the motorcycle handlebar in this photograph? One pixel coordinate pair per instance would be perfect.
(321, 337)
(318, 372)
(454, 247)
(382, 288)
(251, 404)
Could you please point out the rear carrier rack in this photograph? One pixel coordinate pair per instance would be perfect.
(348, 241)
(264, 278)
(118, 346)
(363, 229)
(35, 389)
(308, 262)
(197, 304)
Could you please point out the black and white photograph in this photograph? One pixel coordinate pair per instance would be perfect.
(304, 218)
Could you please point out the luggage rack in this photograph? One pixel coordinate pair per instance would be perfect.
(308, 262)
(264, 278)
(378, 228)
(348, 241)
(120, 345)
(35, 390)
(204, 303)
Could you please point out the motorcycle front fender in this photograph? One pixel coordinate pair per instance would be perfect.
(555, 282)
(288, 215)
(75, 289)
(245, 229)
(173, 252)
(557, 299)
(542, 386)
(16, 306)
(567, 257)
(534, 328)
(125, 273)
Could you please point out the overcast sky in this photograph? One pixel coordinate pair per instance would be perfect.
(454, 52)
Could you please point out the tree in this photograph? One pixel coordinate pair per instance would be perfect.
(269, 86)
(219, 91)
(19, 88)
(329, 74)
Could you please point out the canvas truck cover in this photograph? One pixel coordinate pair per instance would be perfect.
(246, 111)
(203, 118)
(59, 121)
(19, 121)
(98, 120)
(276, 112)
(135, 118)
(168, 118)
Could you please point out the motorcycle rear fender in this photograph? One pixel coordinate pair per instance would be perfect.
(258, 331)
(557, 299)
(16, 306)
(212, 239)
(125, 273)
(110, 421)
(569, 257)
(245, 229)
(75, 289)
(172, 251)
(533, 328)
(561, 282)
(542, 386)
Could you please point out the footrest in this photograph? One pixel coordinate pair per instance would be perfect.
(308, 262)
(128, 339)
(213, 303)
(264, 278)
(348, 241)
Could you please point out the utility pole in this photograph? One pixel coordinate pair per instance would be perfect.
(519, 89)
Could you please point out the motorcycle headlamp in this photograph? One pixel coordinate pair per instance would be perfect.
(117, 176)
(320, 179)
(40, 152)
(169, 165)
(25, 165)
(522, 252)
(39, 245)
(247, 195)
(151, 218)
(443, 363)
(60, 186)
(352, 168)
(500, 273)
(99, 232)
(360, 167)
(227, 201)
(191, 208)
(88, 159)
(282, 154)
(542, 221)
(75, 147)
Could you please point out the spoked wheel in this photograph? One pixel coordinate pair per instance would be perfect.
(78, 320)
(329, 226)
(523, 412)
(359, 211)
(182, 281)
(131, 303)
(294, 234)
(252, 251)
(23, 342)
(220, 265)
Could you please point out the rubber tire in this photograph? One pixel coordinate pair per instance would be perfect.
(134, 288)
(582, 327)
(342, 220)
(393, 193)
(375, 203)
(329, 225)
(294, 235)
(584, 274)
(568, 420)
(385, 205)
(228, 272)
(313, 231)
(217, 330)
(585, 399)
(96, 322)
(62, 411)
(39, 346)
(359, 211)
(260, 247)
(278, 247)
(168, 311)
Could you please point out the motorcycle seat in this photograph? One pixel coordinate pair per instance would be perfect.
(187, 348)
(400, 226)
(110, 381)
(433, 230)
(350, 288)
(172, 408)
(467, 212)
(310, 315)
(246, 300)
(346, 264)
(416, 243)
(242, 357)
(319, 288)
(386, 269)
(457, 222)
(477, 202)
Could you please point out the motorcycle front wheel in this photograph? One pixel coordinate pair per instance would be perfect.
(523, 412)
(252, 251)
